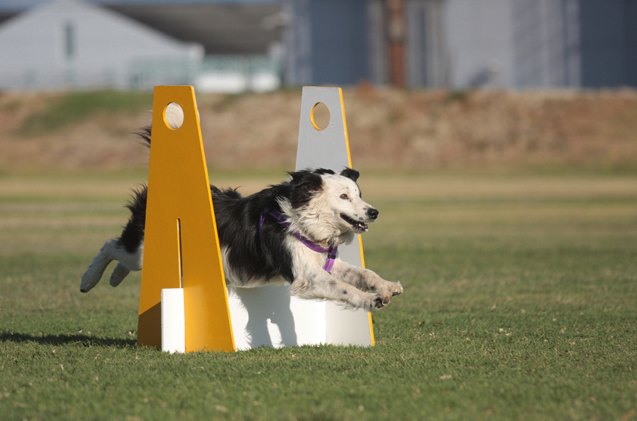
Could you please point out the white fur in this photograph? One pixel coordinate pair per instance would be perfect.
(111, 250)
(320, 220)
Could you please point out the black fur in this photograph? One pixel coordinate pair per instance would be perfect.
(350, 173)
(145, 134)
(133, 233)
(304, 185)
(253, 251)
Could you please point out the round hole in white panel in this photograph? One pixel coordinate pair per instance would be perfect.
(320, 116)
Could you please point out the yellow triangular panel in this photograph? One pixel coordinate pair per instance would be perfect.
(181, 247)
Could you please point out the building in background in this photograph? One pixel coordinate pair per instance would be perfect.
(327, 42)
(240, 38)
(70, 44)
(463, 44)
(74, 44)
(237, 45)
(522, 43)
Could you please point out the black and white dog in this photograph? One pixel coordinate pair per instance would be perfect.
(288, 232)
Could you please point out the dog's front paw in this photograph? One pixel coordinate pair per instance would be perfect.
(372, 301)
(389, 290)
(395, 288)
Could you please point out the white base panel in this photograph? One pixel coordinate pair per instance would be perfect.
(268, 316)
(173, 327)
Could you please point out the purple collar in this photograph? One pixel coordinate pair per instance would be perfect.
(279, 217)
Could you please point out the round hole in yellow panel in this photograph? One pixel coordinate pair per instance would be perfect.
(320, 116)
(173, 116)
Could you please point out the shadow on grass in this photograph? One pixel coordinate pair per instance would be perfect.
(78, 339)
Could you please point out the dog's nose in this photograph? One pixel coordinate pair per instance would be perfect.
(372, 213)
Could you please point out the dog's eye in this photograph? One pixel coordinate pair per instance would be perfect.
(344, 196)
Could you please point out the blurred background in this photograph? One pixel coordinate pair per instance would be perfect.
(497, 137)
(261, 45)
(430, 83)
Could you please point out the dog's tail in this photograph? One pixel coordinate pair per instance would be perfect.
(173, 117)
(145, 134)
(133, 233)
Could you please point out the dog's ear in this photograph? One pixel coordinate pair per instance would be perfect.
(350, 173)
(304, 184)
(323, 171)
(311, 180)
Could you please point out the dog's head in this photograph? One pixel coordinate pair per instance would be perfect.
(328, 207)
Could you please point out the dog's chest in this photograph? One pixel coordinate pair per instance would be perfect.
(304, 259)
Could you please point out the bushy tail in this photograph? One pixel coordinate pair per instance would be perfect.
(174, 117)
(144, 133)
(133, 233)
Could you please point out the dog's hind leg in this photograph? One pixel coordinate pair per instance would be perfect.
(119, 273)
(97, 267)
(111, 250)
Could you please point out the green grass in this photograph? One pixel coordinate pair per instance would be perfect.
(520, 303)
(76, 107)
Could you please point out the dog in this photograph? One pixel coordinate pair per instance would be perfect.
(286, 233)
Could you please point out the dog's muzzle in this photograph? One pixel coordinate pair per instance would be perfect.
(361, 226)
(372, 213)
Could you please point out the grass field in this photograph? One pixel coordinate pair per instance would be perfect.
(520, 303)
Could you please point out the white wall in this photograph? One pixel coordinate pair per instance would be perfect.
(105, 47)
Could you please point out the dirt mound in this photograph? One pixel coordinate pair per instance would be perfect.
(388, 129)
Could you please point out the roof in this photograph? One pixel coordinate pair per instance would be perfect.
(6, 15)
(219, 28)
(25, 4)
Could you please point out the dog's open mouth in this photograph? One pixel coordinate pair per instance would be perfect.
(358, 226)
